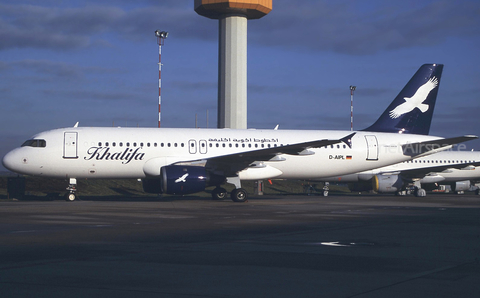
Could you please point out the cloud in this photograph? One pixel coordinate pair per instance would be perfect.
(342, 27)
(53, 71)
(345, 27)
(33, 26)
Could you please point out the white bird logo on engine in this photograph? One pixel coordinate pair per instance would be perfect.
(182, 179)
(416, 101)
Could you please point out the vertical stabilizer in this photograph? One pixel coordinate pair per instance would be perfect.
(412, 110)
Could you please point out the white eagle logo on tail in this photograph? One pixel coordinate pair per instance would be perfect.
(416, 101)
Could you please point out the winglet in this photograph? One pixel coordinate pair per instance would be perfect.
(348, 140)
(412, 110)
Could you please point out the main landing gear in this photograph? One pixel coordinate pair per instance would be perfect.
(70, 196)
(237, 195)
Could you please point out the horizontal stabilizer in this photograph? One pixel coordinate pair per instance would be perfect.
(425, 148)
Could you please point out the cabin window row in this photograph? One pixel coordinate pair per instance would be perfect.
(202, 144)
(140, 144)
(440, 161)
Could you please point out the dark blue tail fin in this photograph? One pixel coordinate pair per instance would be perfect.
(412, 110)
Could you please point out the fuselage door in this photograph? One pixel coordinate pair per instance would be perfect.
(372, 147)
(192, 146)
(70, 145)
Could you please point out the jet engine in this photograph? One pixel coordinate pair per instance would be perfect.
(387, 183)
(181, 180)
(461, 185)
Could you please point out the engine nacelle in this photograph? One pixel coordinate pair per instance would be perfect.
(387, 183)
(181, 180)
(461, 185)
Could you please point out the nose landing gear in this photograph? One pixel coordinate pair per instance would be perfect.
(70, 196)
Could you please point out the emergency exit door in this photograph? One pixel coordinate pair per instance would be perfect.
(70, 145)
(372, 147)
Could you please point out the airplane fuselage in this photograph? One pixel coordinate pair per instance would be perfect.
(87, 152)
(457, 164)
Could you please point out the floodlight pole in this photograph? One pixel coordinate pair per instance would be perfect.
(352, 88)
(161, 36)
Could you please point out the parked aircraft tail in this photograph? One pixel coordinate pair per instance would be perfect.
(412, 110)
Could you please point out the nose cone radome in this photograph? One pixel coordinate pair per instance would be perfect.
(11, 161)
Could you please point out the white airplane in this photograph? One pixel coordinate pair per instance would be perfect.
(160, 156)
(459, 169)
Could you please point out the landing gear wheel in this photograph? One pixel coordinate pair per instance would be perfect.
(219, 193)
(477, 192)
(239, 195)
(325, 193)
(70, 197)
(420, 192)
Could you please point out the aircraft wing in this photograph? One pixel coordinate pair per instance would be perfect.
(425, 148)
(422, 172)
(230, 165)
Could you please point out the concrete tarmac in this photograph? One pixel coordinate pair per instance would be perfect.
(270, 246)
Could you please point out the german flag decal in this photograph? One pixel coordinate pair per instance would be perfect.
(349, 157)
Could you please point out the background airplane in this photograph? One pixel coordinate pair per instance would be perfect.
(181, 161)
(459, 169)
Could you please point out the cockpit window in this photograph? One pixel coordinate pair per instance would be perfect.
(34, 143)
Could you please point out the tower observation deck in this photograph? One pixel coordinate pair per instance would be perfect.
(232, 54)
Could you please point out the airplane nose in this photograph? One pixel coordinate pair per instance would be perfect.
(11, 161)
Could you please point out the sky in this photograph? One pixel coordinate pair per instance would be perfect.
(96, 63)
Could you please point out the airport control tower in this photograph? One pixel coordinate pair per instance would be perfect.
(232, 54)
